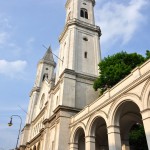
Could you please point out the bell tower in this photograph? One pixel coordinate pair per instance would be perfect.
(82, 10)
(76, 71)
(45, 71)
(45, 68)
(79, 42)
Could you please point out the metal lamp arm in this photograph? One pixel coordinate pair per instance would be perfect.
(19, 128)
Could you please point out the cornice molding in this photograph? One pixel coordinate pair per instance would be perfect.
(35, 139)
(75, 74)
(42, 112)
(57, 110)
(22, 146)
(68, 2)
(79, 75)
(81, 24)
(35, 89)
(25, 127)
(66, 108)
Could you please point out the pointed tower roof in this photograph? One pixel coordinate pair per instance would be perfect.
(48, 57)
(93, 1)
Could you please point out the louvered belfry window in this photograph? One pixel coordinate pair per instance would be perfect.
(84, 13)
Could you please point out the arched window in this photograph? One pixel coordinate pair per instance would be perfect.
(57, 100)
(42, 101)
(84, 13)
(85, 54)
(85, 38)
(69, 16)
(45, 76)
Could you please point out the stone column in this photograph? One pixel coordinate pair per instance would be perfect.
(146, 122)
(41, 143)
(90, 143)
(43, 139)
(73, 146)
(114, 139)
(125, 145)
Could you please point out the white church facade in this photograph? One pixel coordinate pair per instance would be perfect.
(65, 113)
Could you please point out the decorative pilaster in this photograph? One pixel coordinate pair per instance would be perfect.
(43, 140)
(146, 122)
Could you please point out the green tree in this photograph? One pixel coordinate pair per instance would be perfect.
(137, 138)
(147, 54)
(114, 68)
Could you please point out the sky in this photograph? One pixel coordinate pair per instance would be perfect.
(27, 25)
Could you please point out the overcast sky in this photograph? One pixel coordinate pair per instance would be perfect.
(28, 24)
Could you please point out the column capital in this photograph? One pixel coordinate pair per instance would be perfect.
(145, 114)
(90, 139)
(145, 110)
(113, 129)
(113, 126)
(89, 136)
(73, 146)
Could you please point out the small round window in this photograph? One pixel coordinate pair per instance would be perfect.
(85, 39)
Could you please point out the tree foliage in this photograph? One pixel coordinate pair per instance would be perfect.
(114, 68)
(147, 54)
(137, 138)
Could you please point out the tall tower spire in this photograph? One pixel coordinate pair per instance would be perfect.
(79, 42)
(48, 57)
(45, 71)
(45, 68)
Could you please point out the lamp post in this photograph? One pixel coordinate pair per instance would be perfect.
(10, 124)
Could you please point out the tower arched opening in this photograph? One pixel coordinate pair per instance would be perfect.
(84, 13)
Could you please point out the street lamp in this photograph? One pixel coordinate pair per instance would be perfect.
(10, 124)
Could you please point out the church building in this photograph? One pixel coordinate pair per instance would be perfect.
(65, 112)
